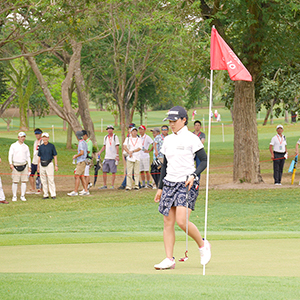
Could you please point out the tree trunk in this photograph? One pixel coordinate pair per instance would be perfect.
(69, 137)
(246, 152)
(82, 95)
(286, 116)
(66, 112)
(7, 102)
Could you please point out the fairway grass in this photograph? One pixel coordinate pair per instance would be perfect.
(158, 286)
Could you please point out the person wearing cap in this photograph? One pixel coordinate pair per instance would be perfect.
(279, 153)
(46, 154)
(79, 159)
(89, 156)
(111, 147)
(147, 147)
(200, 135)
(20, 165)
(38, 134)
(177, 174)
(132, 145)
(124, 155)
(2, 195)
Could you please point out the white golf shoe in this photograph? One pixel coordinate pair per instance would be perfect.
(167, 263)
(205, 253)
(23, 198)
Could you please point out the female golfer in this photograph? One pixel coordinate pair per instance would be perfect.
(179, 150)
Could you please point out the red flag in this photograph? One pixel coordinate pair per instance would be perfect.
(223, 58)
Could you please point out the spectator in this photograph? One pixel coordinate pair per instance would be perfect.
(80, 166)
(46, 154)
(278, 154)
(111, 146)
(157, 155)
(2, 195)
(147, 147)
(89, 156)
(164, 131)
(133, 145)
(200, 135)
(193, 115)
(19, 161)
(38, 134)
(124, 154)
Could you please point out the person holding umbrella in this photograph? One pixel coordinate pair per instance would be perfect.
(177, 173)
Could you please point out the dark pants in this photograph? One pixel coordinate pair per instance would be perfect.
(278, 164)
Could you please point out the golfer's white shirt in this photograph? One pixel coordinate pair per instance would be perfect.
(146, 142)
(180, 150)
(110, 144)
(278, 143)
(19, 154)
(132, 144)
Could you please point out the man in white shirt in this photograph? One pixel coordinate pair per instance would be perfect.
(19, 161)
(132, 145)
(38, 142)
(278, 154)
(111, 146)
(146, 141)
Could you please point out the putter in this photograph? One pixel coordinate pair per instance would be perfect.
(185, 258)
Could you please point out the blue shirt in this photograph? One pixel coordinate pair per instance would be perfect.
(82, 145)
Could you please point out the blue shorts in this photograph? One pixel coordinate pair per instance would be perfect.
(174, 194)
(33, 170)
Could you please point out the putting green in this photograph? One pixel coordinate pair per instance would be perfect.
(268, 257)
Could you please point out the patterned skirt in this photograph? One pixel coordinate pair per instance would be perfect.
(174, 194)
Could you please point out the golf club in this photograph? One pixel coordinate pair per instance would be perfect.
(185, 258)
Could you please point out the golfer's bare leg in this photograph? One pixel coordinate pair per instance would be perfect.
(142, 175)
(104, 178)
(193, 230)
(169, 232)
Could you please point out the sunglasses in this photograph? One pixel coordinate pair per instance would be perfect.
(164, 130)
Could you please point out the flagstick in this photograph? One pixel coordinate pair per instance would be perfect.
(208, 157)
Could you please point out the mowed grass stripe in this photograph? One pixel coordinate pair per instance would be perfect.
(229, 257)
(229, 210)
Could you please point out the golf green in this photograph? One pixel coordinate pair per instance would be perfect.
(264, 257)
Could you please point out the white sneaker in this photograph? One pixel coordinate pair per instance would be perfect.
(23, 198)
(205, 253)
(85, 193)
(14, 199)
(30, 192)
(167, 263)
(81, 192)
(72, 194)
(90, 185)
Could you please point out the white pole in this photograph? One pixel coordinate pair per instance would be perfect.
(223, 132)
(101, 125)
(53, 133)
(203, 124)
(208, 157)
